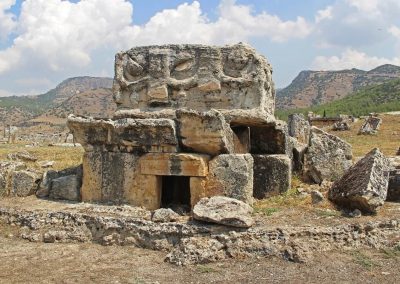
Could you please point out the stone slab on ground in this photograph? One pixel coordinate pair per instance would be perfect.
(224, 210)
(364, 186)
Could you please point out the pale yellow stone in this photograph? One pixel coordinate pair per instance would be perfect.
(143, 190)
(199, 189)
(158, 93)
(92, 177)
(210, 86)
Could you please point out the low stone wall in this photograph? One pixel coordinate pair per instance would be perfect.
(189, 242)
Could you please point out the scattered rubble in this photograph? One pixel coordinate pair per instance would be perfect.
(341, 126)
(23, 156)
(364, 186)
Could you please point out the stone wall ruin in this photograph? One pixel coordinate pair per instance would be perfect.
(191, 122)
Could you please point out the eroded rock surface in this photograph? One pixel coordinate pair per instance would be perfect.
(364, 186)
(232, 176)
(224, 210)
(272, 175)
(327, 158)
(195, 77)
(24, 183)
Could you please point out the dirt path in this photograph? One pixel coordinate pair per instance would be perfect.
(26, 262)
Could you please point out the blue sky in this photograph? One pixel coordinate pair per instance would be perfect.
(43, 42)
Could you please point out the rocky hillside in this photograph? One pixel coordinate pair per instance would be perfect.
(384, 97)
(312, 88)
(96, 103)
(19, 109)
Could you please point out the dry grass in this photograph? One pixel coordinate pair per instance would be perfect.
(293, 198)
(64, 157)
(387, 139)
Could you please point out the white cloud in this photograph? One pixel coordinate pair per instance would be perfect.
(395, 31)
(324, 14)
(351, 58)
(60, 35)
(7, 21)
(356, 23)
(369, 6)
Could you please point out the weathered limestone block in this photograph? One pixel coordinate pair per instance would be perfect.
(149, 135)
(364, 186)
(50, 175)
(327, 158)
(115, 178)
(272, 138)
(205, 132)
(371, 125)
(66, 188)
(232, 176)
(163, 215)
(6, 169)
(272, 175)
(182, 164)
(195, 77)
(224, 210)
(394, 186)
(299, 150)
(24, 183)
(299, 128)
(125, 135)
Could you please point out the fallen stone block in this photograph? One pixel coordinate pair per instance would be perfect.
(272, 175)
(371, 125)
(224, 210)
(45, 185)
(24, 183)
(66, 188)
(364, 186)
(327, 158)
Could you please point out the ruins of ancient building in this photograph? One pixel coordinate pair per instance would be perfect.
(192, 121)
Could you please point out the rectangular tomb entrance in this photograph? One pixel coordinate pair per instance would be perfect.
(175, 192)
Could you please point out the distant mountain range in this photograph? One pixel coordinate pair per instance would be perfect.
(311, 88)
(384, 97)
(80, 95)
(93, 95)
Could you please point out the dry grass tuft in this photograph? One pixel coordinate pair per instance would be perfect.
(64, 157)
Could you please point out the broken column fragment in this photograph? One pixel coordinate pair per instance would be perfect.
(364, 186)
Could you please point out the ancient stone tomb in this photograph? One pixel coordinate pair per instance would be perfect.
(192, 121)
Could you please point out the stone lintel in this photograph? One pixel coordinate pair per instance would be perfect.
(166, 164)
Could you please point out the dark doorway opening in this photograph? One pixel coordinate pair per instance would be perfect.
(175, 193)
